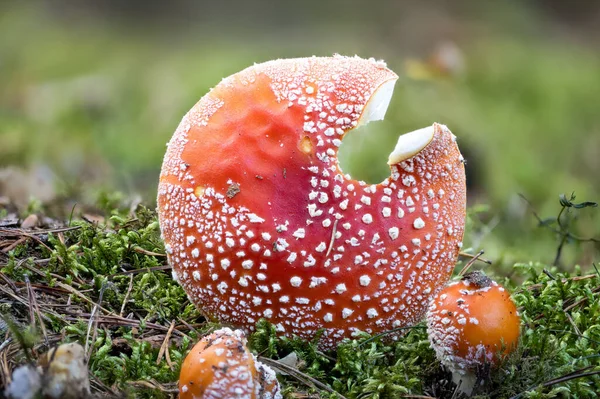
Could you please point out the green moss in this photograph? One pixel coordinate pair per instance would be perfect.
(123, 262)
(554, 342)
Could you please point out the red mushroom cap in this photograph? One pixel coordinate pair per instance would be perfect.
(472, 321)
(259, 220)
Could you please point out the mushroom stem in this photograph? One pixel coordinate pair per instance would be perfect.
(465, 383)
(472, 325)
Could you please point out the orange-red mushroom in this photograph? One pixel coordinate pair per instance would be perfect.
(220, 366)
(259, 220)
(471, 323)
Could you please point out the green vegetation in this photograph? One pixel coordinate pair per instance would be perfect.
(87, 106)
(108, 285)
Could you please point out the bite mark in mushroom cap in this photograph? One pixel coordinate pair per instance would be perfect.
(259, 220)
(221, 366)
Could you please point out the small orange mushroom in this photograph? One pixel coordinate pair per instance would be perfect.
(221, 366)
(471, 323)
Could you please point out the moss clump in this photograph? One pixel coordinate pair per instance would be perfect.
(560, 338)
(107, 286)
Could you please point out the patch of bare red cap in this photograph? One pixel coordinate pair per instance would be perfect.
(259, 220)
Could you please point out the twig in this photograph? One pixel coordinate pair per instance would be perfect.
(21, 232)
(93, 322)
(582, 300)
(164, 348)
(113, 320)
(126, 295)
(99, 386)
(85, 298)
(477, 256)
(188, 325)
(562, 231)
(374, 337)
(572, 323)
(300, 376)
(326, 356)
(571, 376)
(5, 371)
(576, 334)
(144, 270)
(36, 308)
(141, 250)
(14, 244)
(153, 385)
(9, 281)
(24, 263)
(559, 249)
(470, 263)
(30, 303)
(564, 280)
(547, 273)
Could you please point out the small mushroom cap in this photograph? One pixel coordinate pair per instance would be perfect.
(472, 322)
(65, 372)
(221, 366)
(259, 220)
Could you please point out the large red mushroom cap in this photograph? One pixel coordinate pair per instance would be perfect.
(259, 220)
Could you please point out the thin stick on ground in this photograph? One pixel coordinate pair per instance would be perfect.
(93, 322)
(164, 348)
(562, 230)
(300, 376)
(126, 295)
(471, 256)
(374, 337)
(19, 232)
(188, 325)
(471, 262)
(85, 298)
(36, 309)
(568, 377)
(564, 280)
(152, 384)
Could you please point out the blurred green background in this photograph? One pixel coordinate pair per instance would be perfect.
(90, 92)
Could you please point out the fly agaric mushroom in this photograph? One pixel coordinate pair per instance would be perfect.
(65, 372)
(61, 373)
(259, 220)
(471, 323)
(221, 366)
